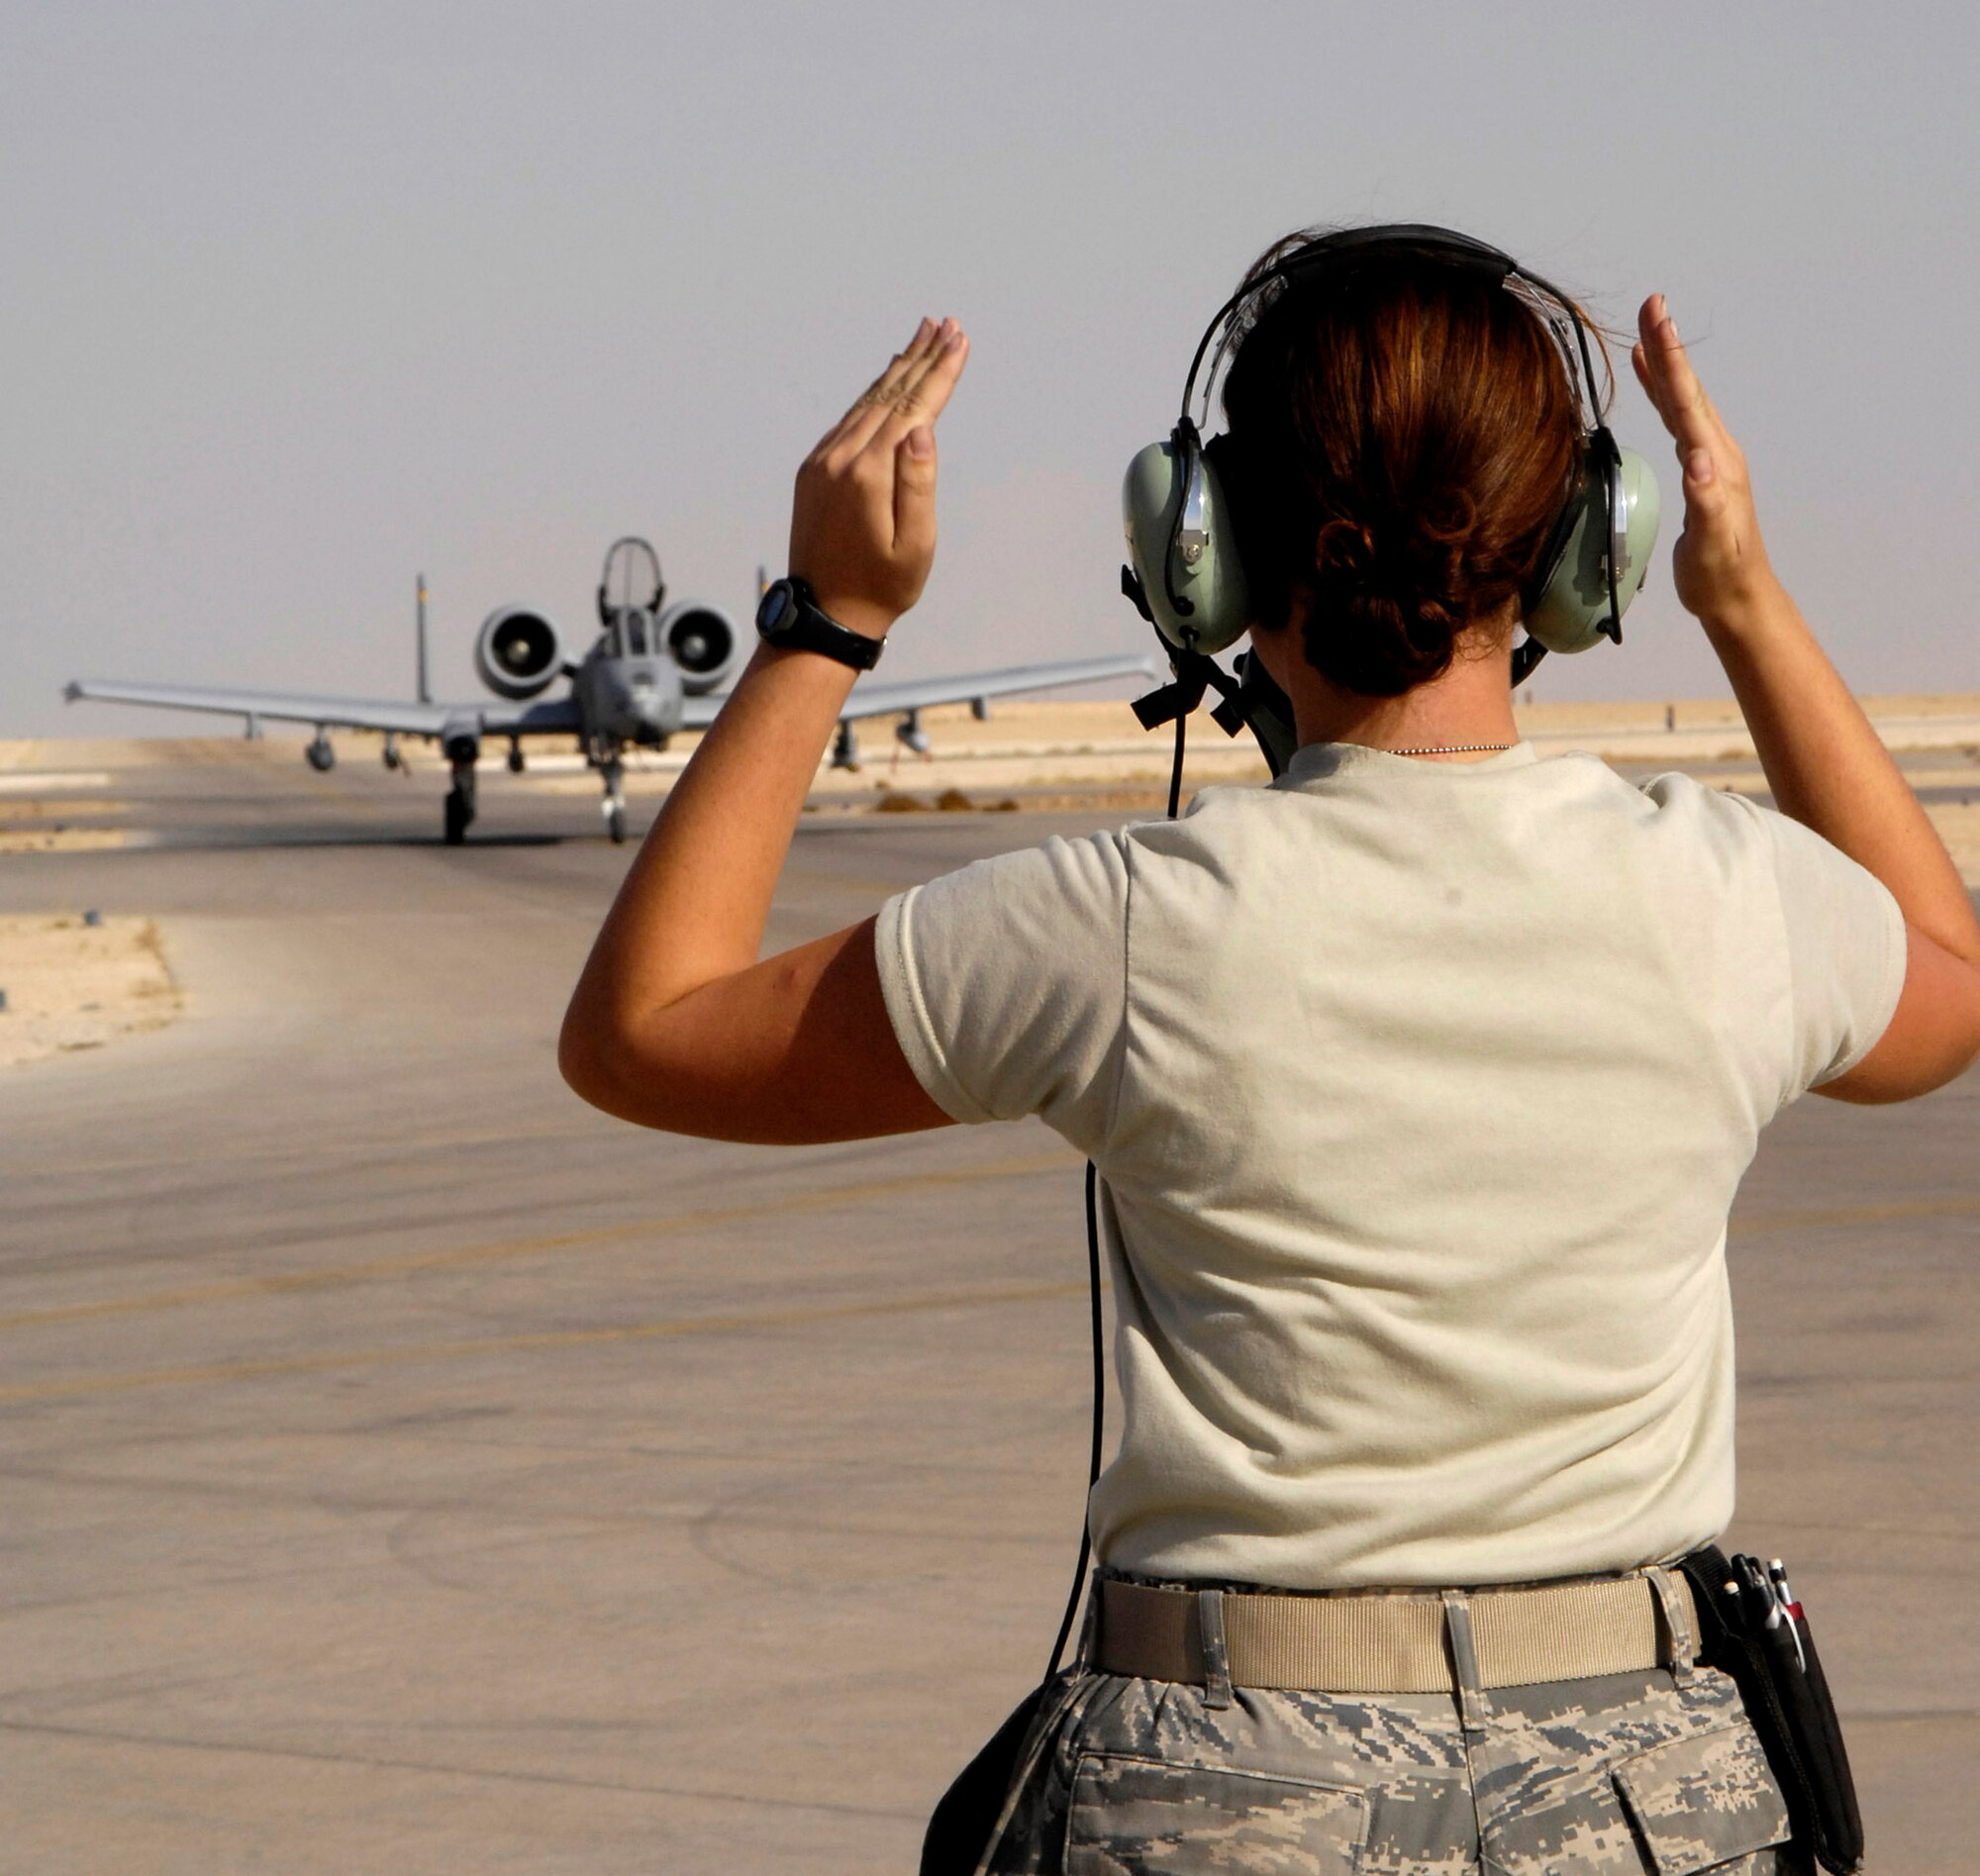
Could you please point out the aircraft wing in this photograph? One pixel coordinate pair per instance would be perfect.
(542, 717)
(353, 713)
(888, 699)
(340, 713)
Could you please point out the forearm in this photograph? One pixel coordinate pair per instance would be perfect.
(694, 906)
(1828, 769)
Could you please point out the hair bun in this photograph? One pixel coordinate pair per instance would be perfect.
(1346, 553)
(1385, 604)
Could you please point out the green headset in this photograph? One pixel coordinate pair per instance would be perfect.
(1185, 573)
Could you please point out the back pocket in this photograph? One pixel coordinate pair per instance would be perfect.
(1701, 1801)
(1142, 1817)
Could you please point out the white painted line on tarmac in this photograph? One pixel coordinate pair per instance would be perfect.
(16, 782)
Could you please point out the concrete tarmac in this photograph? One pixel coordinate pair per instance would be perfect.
(403, 1467)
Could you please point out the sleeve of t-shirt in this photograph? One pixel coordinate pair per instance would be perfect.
(1007, 984)
(1845, 948)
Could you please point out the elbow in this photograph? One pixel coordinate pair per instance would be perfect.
(584, 1057)
(619, 1068)
(1966, 1052)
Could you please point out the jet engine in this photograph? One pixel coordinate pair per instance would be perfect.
(517, 652)
(701, 640)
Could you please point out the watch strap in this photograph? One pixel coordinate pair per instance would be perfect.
(809, 628)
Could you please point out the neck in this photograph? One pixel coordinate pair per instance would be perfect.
(1467, 706)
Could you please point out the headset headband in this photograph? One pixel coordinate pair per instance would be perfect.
(1425, 237)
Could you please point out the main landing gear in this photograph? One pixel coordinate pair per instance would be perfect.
(459, 809)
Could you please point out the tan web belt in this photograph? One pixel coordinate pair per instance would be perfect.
(1399, 1642)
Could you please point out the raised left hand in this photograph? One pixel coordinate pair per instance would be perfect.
(1719, 563)
(863, 518)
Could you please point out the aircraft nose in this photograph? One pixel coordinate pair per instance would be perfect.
(645, 702)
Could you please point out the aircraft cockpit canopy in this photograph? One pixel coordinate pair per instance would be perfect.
(630, 584)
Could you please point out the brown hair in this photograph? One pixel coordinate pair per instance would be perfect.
(1403, 431)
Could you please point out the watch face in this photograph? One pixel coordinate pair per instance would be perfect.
(776, 608)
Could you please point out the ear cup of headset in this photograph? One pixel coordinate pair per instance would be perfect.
(1199, 567)
(1571, 609)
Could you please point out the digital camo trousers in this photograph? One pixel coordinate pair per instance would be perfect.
(1610, 1777)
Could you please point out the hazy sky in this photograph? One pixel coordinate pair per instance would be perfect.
(297, 301)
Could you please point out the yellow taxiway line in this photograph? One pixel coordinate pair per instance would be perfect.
(667, 1328)
(419, 1263)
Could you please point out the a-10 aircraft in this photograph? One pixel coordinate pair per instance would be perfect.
(652, 672)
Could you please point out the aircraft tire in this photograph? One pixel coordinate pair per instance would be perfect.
(614, 824)
(458, 815)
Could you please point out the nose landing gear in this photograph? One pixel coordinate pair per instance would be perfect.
(605, 758)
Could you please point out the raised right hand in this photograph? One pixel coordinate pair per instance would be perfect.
(1719, 563)
(862, 516)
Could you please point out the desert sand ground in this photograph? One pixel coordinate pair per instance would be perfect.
(72, 985)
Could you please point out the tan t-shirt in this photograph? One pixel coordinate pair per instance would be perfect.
(1421, 1093)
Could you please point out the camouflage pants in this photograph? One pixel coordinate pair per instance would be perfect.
(1613, 1777)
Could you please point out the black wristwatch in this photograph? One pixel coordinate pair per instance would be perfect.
(788, 616)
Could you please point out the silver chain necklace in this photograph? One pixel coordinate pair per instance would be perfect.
(1455, 749)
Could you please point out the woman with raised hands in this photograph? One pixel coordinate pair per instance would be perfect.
(1419, 1085)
